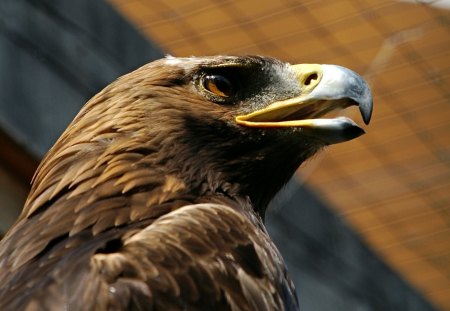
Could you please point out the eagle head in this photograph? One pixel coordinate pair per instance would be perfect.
(228, 125)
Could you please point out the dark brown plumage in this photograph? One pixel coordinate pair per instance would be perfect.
(154, 196)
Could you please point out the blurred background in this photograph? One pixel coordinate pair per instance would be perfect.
(363, 226)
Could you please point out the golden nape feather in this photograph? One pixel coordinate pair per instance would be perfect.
(154, 197)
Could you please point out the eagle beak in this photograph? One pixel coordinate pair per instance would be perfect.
(324, 88)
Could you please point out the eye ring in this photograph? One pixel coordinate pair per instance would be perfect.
(219, 85)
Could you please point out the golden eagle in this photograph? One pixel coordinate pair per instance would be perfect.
(154, 197)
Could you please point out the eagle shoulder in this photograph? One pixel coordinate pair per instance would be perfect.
(205, 256)
(201, 256)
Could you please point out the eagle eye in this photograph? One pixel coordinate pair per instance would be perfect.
(219, 85)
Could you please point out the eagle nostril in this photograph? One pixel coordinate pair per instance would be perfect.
(311, 78)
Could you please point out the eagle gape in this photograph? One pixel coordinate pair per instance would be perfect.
(154, 197)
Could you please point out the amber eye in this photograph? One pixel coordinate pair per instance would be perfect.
(219, 85)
